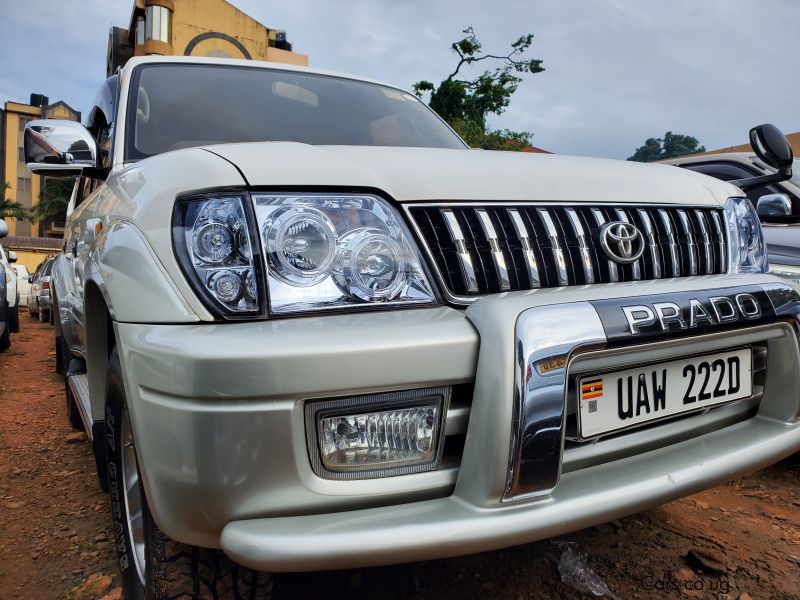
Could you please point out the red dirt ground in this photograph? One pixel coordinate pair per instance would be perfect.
(54, 525)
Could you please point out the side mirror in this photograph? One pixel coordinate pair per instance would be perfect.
(12, 256)
(773, 148)
(774, 205)
(3, 229)
(59, 148)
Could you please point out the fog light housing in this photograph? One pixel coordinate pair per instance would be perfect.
(382, 435)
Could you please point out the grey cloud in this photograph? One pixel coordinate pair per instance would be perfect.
(618, 71)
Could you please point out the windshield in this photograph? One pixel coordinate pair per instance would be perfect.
(176, 106)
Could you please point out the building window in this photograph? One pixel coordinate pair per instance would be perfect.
(23, 121)
(157, 24)
(21, 154)
(140, 31)
(23, 184)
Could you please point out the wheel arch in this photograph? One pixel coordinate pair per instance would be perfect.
(100, 341)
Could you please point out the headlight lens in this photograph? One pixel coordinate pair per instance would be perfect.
(746, 249)
(328, 251)
(215, 250)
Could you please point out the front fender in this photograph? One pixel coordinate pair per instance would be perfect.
(133, 282)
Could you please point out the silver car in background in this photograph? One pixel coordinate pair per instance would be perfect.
(23, 284)
(39, 298)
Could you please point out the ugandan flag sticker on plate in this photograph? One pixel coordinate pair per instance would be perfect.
(591, 390)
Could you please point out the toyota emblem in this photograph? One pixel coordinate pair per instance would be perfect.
(622, 242)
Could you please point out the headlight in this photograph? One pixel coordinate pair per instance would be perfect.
(215, 250)
(396, 433)
(335, 251)
(746, 249)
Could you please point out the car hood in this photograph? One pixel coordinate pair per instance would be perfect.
(418, 174)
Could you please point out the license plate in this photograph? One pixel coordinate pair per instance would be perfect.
(621, 399)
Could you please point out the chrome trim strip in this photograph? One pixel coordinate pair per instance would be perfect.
(527, 247)
(583, 245)
(497, 253)
(544, 334)
(613, 273)
(673, 246)
(464, 258)
(558, 251)
(649, 230)
(701, 221)
(690, 243)
(636, 266)
(723, 251)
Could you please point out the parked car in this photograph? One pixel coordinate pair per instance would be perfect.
(5, 309)
(781, 231)
(318, 332)
(23, 285)
(39, 299)
(7, 258)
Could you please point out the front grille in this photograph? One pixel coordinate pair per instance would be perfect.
(489, 249)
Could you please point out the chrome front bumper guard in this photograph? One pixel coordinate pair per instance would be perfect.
(546, 338)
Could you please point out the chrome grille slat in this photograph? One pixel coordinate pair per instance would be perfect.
(720, 234)
(673, 245)
(583, 245)
(494, 244)
(707, 250)
(558, 251)
(483, 249)
(636, 266)
(527, 248)
(613, 272)
(690, 243)
(649, 231)
(464, 258)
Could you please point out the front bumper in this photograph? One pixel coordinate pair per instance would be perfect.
(217, 413)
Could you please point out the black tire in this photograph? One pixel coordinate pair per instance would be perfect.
(5, 339)
(173, 569)
(13, 319)
(44, 315)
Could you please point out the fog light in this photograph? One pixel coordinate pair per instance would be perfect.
(377, 436)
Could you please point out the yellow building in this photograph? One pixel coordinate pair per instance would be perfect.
(197, 28)
(25, 186)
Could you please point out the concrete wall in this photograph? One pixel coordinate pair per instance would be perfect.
(31, 258)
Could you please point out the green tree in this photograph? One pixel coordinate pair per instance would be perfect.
(466, 103)
(670, 146)
(54, 198)
(9, 208)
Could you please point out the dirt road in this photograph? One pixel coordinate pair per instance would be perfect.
(740, 540)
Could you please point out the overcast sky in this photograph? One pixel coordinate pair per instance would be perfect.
(617, 71)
